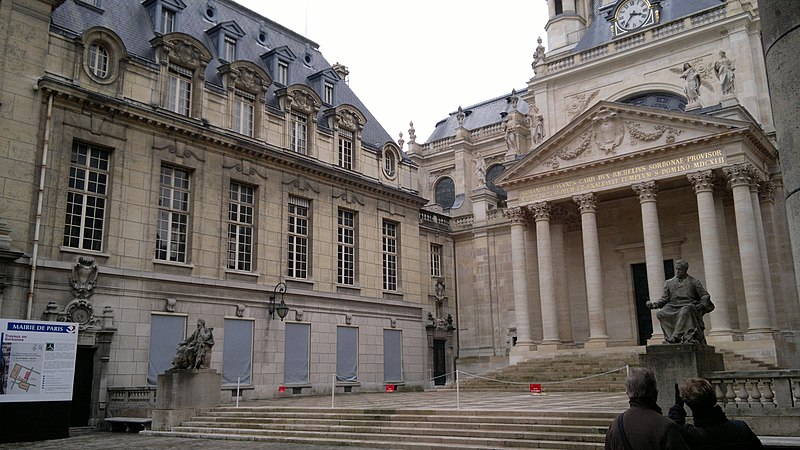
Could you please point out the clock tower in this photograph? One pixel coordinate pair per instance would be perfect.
(567, 23)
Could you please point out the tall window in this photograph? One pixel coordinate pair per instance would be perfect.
(167, 20)
(240, 227)
(328, 93)
(173, 215)
(229, 53)
(243, 110)
(346, 253)
(98, 60)
(298, 237)
(298, 133)
(179, 90)
(389, 256)
(389, 164)
(86, 198)
(283, 73)
(346, 149)
(436, 260)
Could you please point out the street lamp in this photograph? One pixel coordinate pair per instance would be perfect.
(281, 309)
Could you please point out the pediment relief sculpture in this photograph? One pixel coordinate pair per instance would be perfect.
(578, 103)
(637, 134)
(607, 130)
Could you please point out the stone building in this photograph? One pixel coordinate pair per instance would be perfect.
(645, 135)
(164, 161)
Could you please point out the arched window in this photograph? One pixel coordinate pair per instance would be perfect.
(98, 60)
(491, 174)
(445, 193)
(660, 100)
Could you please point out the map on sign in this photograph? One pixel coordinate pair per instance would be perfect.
(37, 360)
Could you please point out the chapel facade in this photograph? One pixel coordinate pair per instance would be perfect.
(644, 136)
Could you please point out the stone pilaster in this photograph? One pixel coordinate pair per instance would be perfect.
(703, 184)
(593, 270)
(740, 178)
(653, 253)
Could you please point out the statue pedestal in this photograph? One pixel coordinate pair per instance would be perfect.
(181, 393)
(674, 363)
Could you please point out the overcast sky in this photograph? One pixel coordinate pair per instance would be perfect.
(420, 59)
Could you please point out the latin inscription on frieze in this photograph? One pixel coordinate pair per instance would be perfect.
(660, 169)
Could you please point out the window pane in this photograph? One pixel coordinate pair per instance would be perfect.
(86, 198)
(173, 216)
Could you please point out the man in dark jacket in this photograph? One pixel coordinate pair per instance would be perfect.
(711, 429)
(642, 427)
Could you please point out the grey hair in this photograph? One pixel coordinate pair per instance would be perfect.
(641, 383)
(682, 262)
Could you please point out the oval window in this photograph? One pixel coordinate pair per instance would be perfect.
(98, 60)
(389, 164)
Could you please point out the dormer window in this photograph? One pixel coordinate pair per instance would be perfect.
(164, 14)
(246, 84)
(179, 90)
(243, 108)
(283, 73)
(101, 55)
(328, 93)
(182, 60)
(301, 107)
(346, 149)
(225, 36)
(229, 46)
(299, 133)
(167, 21)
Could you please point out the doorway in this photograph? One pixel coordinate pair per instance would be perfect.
(641, 295)
(82, 387)
(439, 365)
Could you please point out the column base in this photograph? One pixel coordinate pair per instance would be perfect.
(550, 347)
(758, 334)
(521, 352)
(721, 336)
(597, 344)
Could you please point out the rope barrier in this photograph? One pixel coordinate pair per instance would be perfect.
(545, 382)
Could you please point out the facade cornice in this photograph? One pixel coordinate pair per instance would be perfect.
(199, 131)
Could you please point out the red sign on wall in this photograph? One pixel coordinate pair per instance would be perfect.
(281, 389)
(536, 388)
(389, 388)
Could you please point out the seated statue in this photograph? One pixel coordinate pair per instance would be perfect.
(682, 305)
(194, 352)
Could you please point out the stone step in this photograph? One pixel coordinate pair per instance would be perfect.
(393, 442)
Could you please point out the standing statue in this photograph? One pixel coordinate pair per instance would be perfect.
(194, 352)
(682, 305)
(692, 86)
(480, 171)
(537, 126)
(439, 288)
(724, 69)
(511, 136)
(538, 55)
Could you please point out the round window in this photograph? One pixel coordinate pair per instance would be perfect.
(389, 164)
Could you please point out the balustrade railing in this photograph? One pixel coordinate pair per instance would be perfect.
(760, 389)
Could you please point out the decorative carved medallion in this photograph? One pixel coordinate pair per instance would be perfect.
(303, 102)
(83, 277)
(607, 130)
(578, 103)
(348, 120)
(185, 53)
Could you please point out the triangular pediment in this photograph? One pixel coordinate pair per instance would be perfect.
(609, 132)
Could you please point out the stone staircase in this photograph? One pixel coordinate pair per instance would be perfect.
(401, 429)
(737, 362)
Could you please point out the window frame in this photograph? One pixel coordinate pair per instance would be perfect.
(390, 255)
(298, 133)
(101, 178)
(244, 112)
(242, 205)
(298, 238)
(99, 60)
(283, 72)
(168, 20)
(437, 253)
(346, 146)
(173, 243)
(346, 247)
(179, 81)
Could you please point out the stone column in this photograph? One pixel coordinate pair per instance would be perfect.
(557, 216)
(550, 336)
(741, 177)
(653, 253)
(762, 248)
(593, 270)
(520, 276)
(766, 195)
(703, 184)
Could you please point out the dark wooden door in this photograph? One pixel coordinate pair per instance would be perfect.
(439, 365)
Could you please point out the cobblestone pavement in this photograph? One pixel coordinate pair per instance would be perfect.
(87, 439)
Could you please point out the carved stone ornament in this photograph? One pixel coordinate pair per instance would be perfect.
(81, 312)
(638, 135)
(83, 277)
(301, 184)
(607, 130)
(515, 215)
(303, 102)
(740, 174)
(185, 53)
(170, 304)
(541, 211)
(647, 191)
(578, 103)
(249, 79)
(587, 203)
(702, 181)
(566, 154)
(242, 166)
(348, 120)
(240, 310)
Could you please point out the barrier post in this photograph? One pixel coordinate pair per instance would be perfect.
(238, 383)
(333, 389)
(458, 391)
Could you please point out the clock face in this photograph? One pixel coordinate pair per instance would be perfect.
(633, 14)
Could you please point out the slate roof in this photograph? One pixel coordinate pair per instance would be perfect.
(478, 116)
(131, 21)
(599, 31)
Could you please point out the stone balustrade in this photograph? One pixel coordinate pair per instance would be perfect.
(136, 401)
(759, 389)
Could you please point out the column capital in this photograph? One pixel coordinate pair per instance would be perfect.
(516, 215)
(740, 174)
(702, 181)
(558, 214)
(647, 191)
(541, 211)
(587, 203)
